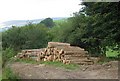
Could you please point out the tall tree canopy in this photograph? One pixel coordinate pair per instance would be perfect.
(106, 21)
(100, 25)
(94, 27)
(48, 22)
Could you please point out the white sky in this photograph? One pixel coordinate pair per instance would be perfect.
(36, 9)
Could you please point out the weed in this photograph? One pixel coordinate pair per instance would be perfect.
(9, 75)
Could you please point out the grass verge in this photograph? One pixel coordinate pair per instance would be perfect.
(56, 63)
(107, 59)
(59, 64)
(8, 75)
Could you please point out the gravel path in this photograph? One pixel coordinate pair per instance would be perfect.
(41, 71)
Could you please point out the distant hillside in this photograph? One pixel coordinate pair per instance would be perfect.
(9, 24)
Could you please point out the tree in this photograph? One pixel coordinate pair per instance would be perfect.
(48, 22)
(30, 36)
(93, 28)
(106, 21)
(99, 26)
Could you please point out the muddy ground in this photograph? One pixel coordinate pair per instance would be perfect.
(41, 71)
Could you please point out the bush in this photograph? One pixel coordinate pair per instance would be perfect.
(7, 54)
(30, 36)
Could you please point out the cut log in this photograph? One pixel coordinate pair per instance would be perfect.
(61, 52)
(50, 58)
(54, 44)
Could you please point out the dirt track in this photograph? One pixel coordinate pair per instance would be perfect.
(32, 71)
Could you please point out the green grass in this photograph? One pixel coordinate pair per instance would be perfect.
(59, 64)
(107, 59)
(0, 77)
(56, 63)
(9, 75)
(25, 61)
(60, 21)
(112, 53)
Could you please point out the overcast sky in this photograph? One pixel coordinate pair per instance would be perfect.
(36, 9)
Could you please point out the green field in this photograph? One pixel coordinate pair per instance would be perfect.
(112, 53)
(60, 21)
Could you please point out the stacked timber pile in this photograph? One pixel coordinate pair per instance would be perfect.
(57, 51)
(31, 53)
(46, 54)
(73, 53)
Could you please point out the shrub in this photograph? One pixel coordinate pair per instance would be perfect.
(7, 54)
